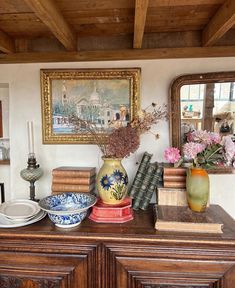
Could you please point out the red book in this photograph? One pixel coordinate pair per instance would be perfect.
(70, 171)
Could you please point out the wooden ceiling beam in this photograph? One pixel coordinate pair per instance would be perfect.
(223, 20)
(141, 7)
(112, 55)
(173, 3)
(50, 15)
(6, 43)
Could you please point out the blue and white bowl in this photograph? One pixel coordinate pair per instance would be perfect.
(68, 209)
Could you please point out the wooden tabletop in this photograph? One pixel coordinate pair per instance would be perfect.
(138, 230)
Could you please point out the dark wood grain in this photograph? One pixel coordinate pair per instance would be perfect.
(54, 26)
(132, 254)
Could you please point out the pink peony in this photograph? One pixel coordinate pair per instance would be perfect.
(215, 138)
(172, 154)
(229, 147)
(200, 136)
(191, 149)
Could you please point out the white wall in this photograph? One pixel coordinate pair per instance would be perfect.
(25, 104)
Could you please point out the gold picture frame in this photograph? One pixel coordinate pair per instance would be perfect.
(101, 95)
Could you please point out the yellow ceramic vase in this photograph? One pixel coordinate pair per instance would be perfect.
(112, 181)
(197, 189)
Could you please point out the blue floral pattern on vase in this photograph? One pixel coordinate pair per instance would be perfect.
(106, 182)
(116, 182)
(112, 181)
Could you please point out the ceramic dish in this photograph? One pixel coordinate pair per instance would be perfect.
(67, 210)
(19, 209)
(7, 223)
(67, 203)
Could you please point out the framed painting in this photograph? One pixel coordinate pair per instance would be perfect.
(105, 97)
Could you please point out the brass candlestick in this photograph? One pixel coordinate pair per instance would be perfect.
(32, 173)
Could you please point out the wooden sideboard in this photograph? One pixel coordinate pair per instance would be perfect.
(131, 255)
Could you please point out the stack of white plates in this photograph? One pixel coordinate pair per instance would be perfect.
(19, 212)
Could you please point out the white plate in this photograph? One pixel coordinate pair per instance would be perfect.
(5, 223)
(19, 209)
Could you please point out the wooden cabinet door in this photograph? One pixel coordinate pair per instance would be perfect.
(48, 270)
(152, 270)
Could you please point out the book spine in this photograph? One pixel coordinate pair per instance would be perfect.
(174, 184)
(71, 188)
(154, 182)
(174, 171)
(174, 178)
(139, 175)
(75, 180)
(60, 192)
(72, 174)
(145, 185)
(172, 197)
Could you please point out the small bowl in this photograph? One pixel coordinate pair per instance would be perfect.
(68, 209)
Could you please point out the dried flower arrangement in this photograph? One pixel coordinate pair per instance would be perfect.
(124, 140)
(204, 149)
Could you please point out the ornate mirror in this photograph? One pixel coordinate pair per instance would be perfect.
(202, 101)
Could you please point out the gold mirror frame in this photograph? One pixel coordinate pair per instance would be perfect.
(174, 100)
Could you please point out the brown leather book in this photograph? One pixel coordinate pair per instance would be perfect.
(72, 188)
(174, 171)
(70, 171)
(182, 219)
(174, 184)
(174, 178)
(73, 180)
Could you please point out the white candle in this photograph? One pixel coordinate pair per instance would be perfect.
(30, 137)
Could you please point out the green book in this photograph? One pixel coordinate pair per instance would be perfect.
(154, 183)
(145, 185)
(139, 175)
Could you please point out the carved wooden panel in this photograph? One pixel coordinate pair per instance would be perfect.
(155, 271)
(14, 282)
(48, 270)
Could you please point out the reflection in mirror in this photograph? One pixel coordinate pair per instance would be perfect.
(202, 101)
(209, 106)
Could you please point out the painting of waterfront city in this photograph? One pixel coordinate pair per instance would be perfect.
(104, 102)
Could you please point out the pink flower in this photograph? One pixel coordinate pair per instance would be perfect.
(200, 136)
(215, 138)
(172, 154)
(229, 147)
(191, 149)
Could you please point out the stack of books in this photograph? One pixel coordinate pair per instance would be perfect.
(145, 183)
(174, 177)
(73, 179)
(182, 219)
